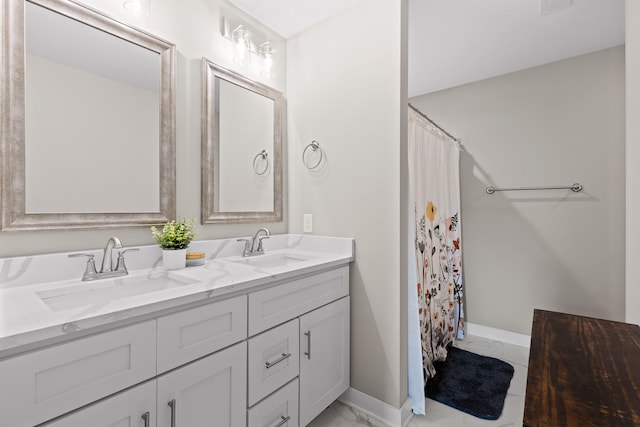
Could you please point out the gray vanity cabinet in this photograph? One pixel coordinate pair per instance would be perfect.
(275, 356)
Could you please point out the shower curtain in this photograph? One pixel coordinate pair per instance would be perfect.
(435, 256)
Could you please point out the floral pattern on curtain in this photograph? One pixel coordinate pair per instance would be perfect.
(434, 184)
(439, 261)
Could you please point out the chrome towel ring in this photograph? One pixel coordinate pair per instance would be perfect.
(264, 155)
(315, 147)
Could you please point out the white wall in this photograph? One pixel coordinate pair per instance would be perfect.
(632, 13)
(345, 83)
(194, 27)
(550, 125)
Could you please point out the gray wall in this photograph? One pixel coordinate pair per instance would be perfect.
(632, 27)
(555, 124)
(345, 89)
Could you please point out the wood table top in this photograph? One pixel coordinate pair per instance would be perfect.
(582, 372)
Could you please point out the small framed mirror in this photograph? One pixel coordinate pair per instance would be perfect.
(242, 139)
(88, 131)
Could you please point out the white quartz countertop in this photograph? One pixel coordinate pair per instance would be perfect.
(36, 312)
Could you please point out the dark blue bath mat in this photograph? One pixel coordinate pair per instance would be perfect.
(471, 383)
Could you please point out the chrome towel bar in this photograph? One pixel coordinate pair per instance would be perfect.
(575, 188)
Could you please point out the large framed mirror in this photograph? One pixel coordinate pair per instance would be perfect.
(88, 123)
(242, 139)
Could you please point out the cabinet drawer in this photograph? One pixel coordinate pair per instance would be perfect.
(278, 410)
(123, 409)
(47, 383)
(273, 360)
(194, 333)
(272, 306)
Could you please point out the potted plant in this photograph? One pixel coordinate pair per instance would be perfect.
(174, 239)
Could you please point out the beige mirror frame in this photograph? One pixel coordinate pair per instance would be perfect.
(210, 212)
(14, 215)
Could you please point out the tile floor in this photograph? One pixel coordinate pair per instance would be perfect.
(439, 415)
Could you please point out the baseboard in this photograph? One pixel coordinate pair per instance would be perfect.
(405, 412)
(384, 412)
(499, 335)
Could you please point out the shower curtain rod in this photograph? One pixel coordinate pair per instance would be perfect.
(440, 128)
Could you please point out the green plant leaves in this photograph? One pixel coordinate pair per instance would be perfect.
(175, 234)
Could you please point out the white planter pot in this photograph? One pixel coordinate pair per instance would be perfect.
(174, 259)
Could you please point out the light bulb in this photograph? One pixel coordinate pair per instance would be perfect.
(266, 51)
(242, 46)
(267, 66)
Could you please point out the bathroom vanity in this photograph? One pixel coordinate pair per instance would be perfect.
(244, 341)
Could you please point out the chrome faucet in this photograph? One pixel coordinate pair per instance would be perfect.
(107, 254)
(259, 249)
(109, 268)
(250, 248)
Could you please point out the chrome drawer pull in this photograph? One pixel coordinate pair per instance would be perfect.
(172, 405)
(308, 352)
(285, 356)
(284, 421)
(145, 417)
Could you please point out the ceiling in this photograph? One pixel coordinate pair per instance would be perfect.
(289, 17)
(453, 42)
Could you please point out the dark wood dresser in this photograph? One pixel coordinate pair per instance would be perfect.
(582, 372)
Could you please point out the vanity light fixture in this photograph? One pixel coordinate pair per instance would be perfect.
(247, 48)
(137, 8)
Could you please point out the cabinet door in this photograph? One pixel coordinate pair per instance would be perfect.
(324, 358)
(133, 408)
(208, 392)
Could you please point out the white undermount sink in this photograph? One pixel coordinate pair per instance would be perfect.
(275, 260)
(106, 290)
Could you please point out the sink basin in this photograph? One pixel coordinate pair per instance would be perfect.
(273, 260)
(107, 290)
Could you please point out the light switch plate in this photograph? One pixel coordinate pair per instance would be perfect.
(552, 6)
(308, 223)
